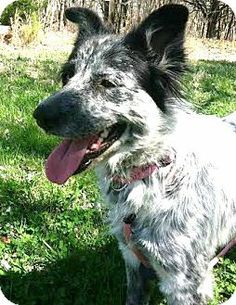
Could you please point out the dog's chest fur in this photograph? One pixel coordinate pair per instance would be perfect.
(183, 202)
(132, 199)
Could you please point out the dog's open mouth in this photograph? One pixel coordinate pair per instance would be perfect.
(74, 156)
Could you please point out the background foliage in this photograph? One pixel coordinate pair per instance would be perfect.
(209, 18)
(23, 8)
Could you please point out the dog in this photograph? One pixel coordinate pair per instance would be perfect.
(167, 173)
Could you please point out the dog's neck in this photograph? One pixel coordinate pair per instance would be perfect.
(138, 173)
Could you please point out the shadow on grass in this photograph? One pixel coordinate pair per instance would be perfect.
(91, 276)
(29, 200)
(92, 273)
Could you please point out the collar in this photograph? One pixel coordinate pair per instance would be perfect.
(139, 173)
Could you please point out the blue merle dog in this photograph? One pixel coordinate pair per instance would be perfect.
(167, 173)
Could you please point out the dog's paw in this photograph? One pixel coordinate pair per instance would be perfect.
(205, 290)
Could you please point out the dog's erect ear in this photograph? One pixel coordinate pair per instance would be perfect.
(159, 30)
(89, 22)
(158, 41)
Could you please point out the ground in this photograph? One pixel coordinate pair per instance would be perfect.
(62, 42)
(54, 244)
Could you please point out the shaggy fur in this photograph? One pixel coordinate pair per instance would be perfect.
(186, 210)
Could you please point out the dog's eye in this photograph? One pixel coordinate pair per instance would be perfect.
(107, 84)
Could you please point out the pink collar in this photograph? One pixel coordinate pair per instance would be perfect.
(140, 173)
(137, 173)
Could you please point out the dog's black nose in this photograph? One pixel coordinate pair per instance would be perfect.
(56, 110)
(46, 116)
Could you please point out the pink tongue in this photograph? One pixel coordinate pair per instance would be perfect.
(65, 159)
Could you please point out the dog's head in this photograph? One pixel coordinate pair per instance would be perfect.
(115, 90)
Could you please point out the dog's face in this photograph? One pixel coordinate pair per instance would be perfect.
(114, 89)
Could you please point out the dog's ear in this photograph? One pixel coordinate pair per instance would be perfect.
(159, 30)
(158, 42)
(89, 22)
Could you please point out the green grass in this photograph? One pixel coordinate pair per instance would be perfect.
(54, 238)
(211, 87)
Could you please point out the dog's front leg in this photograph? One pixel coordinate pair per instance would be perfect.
(136, 294)
(182, 288)
(139, 279)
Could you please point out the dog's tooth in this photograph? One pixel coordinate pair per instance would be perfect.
(96, 146)
(104, 134)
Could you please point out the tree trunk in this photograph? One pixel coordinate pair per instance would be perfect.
(211, 31)
(106, 9)
(230, 25)
(61, 15)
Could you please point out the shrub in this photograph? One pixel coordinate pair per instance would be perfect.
(27, 30)
(23, 8)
